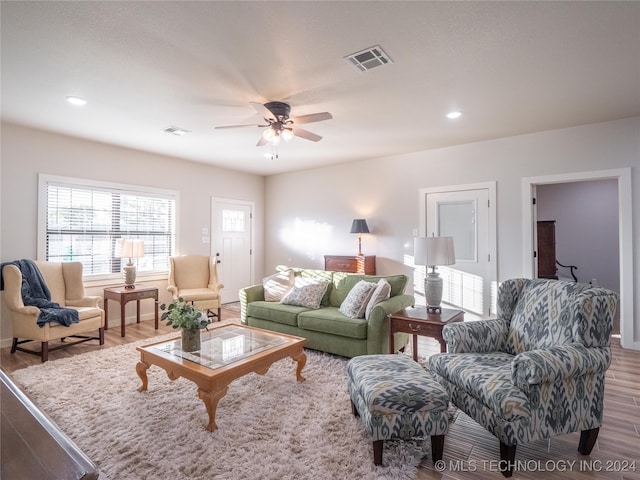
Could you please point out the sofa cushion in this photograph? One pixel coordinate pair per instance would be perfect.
(344, 282)
(311, 273)
(276, 286)
(306, 292)
(381, 292)
(275, 312)
(356, 302)
(342, 285)
(487, 378)
(330, 320)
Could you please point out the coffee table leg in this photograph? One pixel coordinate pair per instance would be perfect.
(301, 358)
(211, 400)
(141, 369)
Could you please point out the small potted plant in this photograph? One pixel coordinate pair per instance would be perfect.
(184, 315)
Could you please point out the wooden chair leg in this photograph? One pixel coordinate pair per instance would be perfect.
(378, 446)
(14, 345)
(219, 313)
(507, 458)
(587, 440)
(101, 335)
(44, 352)
(437, 447)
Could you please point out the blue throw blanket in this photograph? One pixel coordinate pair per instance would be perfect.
(36, 294)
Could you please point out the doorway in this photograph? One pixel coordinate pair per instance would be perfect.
(624, 221)
(231, 244)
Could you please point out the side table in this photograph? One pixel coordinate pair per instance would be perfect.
(124, 295)
(418, 321)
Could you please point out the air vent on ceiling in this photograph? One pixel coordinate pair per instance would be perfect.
(367, 59)
(176, 131)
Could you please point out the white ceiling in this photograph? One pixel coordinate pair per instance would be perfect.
(511, 67)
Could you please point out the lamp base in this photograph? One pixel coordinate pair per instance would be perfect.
(433, 291)
(129, 276)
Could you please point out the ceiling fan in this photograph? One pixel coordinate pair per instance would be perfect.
(280, 126)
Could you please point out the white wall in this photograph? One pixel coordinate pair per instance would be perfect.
(27, 152)
(385, 191)
(586, 215)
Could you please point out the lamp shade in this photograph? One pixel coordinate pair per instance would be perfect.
(129, 248)
(434, 251)
(359, 225)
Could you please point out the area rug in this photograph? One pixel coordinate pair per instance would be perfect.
(269, 426)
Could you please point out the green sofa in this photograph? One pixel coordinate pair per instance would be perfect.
(325, 328)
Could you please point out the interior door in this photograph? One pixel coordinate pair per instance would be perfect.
(464, 215)
(232, 225)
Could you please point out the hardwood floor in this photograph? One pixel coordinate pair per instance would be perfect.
(471, 452)
(134, 332)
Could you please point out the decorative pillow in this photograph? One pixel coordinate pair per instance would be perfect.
(306, 292)
(277, 285)
(356, 302)
(380, 294)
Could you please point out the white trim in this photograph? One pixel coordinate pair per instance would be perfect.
(625, 223)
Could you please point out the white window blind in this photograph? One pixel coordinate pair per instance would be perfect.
(83, 223)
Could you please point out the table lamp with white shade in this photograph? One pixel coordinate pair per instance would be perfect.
(129, 248)
(432, 252)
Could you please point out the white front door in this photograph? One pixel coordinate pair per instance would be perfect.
(232, 226)
(465, 215)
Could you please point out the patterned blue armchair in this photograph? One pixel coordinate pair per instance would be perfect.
(538, 369)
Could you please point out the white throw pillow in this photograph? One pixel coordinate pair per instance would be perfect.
(356, 302)
(380, 294)
(306, 292)
(276, 286)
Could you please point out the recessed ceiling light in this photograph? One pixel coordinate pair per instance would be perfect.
(73, 100)
(453, 115)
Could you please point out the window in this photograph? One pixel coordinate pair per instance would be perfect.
(80, 220)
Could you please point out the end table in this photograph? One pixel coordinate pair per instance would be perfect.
(419, 321)
(124, 295)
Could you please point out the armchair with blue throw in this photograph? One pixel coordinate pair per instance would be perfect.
(46, 302)
(538, 369)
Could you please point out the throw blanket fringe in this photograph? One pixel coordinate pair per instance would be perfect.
(35, 293)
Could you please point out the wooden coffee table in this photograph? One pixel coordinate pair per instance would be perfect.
(227, 353)
(419, 321)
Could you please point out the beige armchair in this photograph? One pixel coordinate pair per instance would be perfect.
(195, 279)
(64, 281)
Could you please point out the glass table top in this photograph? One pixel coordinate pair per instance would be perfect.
(225, 345)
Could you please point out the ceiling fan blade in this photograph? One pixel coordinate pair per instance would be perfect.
(263, 111)
(239, 126)
(262, 141)
(306, 134)
(313, 117)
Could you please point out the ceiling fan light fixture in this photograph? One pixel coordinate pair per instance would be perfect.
(269, 134)
(286, 135)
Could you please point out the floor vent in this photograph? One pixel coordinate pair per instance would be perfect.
(367, 59)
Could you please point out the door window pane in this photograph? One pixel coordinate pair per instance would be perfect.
(458, 220)
(233, 221)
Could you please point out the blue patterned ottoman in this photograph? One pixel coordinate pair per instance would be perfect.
(397, 399)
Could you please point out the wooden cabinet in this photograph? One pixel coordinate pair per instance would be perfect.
(547, 249)
(351, 263)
